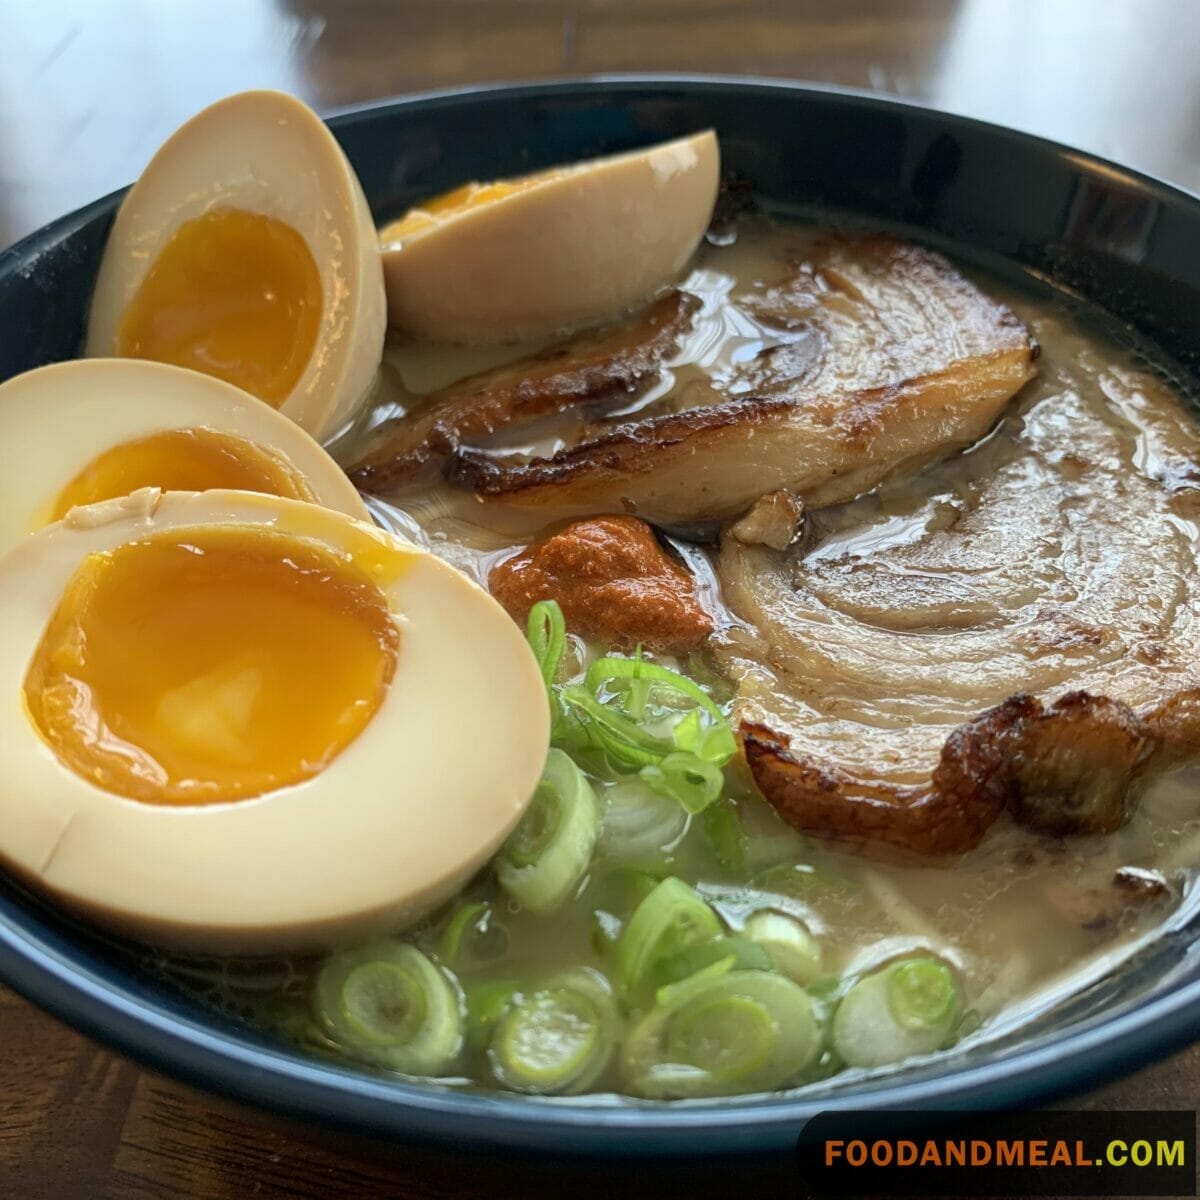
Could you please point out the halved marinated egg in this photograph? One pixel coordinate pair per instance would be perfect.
(237, 722)
(95, 429)
(558, 249)
(246, 250)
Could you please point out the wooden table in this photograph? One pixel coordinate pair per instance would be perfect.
(89, 90)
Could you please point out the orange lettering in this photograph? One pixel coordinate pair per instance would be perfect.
(1010, 1154)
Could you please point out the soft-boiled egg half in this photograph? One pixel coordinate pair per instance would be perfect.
(95, 429)
(559, 249)
(235, 722)
(246, 250)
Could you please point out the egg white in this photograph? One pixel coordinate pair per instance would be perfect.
(59, 419)
(577, 245)
(394, 825)
(266, 153)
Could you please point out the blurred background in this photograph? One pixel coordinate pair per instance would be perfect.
(89, 88)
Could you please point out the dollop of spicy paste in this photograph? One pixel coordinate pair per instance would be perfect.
(613, 581)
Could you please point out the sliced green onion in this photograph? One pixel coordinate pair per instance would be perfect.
(924, 994)
(612, 900)
(605, 671)
(557, 1040)
(713, 743)
(546, 632)
(389, 1004)
(548, 853)
(722, 1032)
(703, 731)
(486, 1002)
(723, 831)
(639, 823)
(670, 918)
(744, 955)
(908, 1008)
(793, 950)
(633, 738)
(469, 917)
(694, 783)
(624, 740)
(637, 695)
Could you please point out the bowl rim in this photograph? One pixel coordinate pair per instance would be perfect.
(305, 1088)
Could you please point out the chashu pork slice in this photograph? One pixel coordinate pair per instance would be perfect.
(1016, 629)
(892, 359)
(596, 369)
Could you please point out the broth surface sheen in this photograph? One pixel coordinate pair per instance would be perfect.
(1026, 919)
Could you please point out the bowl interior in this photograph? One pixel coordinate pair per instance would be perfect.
(1105, 237)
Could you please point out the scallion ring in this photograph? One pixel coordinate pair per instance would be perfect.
(670, 918)
(548, 853)
(557, 1039)
(693, 782)
(907, 1008)
(721, 1032)
(389, 1004)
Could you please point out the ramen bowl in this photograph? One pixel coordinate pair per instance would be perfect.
(1045, 217)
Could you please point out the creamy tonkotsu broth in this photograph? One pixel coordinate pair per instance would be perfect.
(1017, 922)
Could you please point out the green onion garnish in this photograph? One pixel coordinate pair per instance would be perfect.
(389, 1004)
(719, 1032)
(670, 918)
(723, 832)
(486, 1002)
(640, 825)
(548, 853)
(468, 918)
(910, 1007)
(744, 954)
(557, 1039)
(688, 779)
(546, 632)
(626, 742)
(923, 993)
(793, 950)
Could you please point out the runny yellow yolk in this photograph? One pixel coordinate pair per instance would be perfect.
(233, 294)
(470, 195)
(212, 664)
(182, 460)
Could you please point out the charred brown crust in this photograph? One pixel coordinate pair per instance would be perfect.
(628, 449)
(949, 816)
(1075, 765)
(1071, 767)
(595, 368)
(981, 356)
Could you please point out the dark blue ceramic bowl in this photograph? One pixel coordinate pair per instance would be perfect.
(1104, 236)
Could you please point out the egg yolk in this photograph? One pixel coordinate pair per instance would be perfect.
(212, 664)
(233, 294)
(182, 460)
(470, 195)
